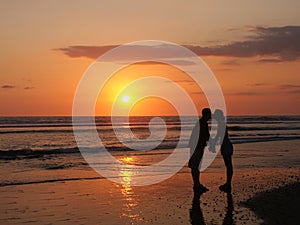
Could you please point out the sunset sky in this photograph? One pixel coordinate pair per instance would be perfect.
(252, 47)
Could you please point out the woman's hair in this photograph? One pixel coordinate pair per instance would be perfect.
(219, 115)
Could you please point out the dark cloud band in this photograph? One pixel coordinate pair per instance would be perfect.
(281, 43)
(7, 86)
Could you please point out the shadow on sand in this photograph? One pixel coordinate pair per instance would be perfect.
(277, 206)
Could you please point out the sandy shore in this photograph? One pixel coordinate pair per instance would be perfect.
(260, 196)
(170, 202)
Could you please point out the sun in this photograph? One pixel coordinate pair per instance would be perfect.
(126, 98)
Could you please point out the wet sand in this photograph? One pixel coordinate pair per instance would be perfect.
(260, 196)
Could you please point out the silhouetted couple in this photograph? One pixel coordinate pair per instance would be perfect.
(197, 148)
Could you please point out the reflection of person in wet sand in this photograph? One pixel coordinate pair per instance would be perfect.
(197, 147)
(226, 148)
(228, 220)
(196, 214)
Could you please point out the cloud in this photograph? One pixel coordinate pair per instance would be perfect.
(245, 93)
(232, 62)
(281, 43)
(257, 84)
(28, 88)
(290, 88)
(270, 60)
(8, 86)
(130, 53)
(294, 91)
(85, 51)
(223, 70)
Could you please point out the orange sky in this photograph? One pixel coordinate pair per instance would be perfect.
(254, 56)
(150, 105)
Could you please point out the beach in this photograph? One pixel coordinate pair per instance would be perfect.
(263, 171)
(109, 108)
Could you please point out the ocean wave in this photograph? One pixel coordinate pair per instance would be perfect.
(146, 128)
(274, 128)
(15, 183)
(166, 144)
(32, 153)
(102, 129)
(264, 139)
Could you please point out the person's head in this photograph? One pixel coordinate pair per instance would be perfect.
(206, 113)
(219, 115)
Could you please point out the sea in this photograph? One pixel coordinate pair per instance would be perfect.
(48, 145)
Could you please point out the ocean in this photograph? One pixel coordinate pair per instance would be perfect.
(47, 144)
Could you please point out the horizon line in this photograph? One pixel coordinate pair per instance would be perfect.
(145, 115)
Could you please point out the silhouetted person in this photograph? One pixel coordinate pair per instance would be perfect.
(226, 149)
(197, 148)
(228, 219)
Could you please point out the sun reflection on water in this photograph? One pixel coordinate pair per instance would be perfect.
(130, 203)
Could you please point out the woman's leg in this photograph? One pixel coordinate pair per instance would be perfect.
(229, 168)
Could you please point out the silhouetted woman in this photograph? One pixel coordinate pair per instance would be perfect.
(226, 149)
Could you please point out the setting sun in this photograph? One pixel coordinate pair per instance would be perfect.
(125, 98)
